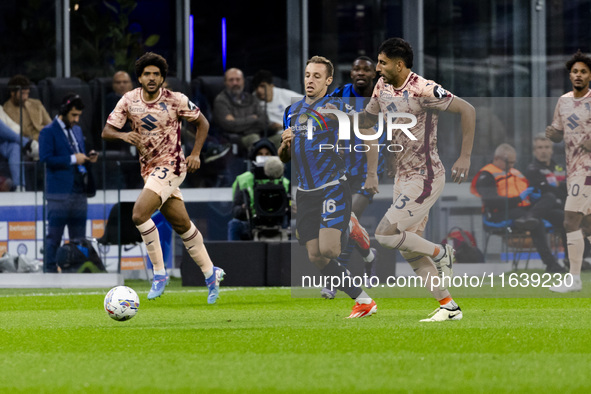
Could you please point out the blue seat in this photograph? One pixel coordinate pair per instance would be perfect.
(515, 242)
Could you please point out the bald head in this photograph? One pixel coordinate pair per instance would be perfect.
(121, 83)
(505, 157)
(234, 81)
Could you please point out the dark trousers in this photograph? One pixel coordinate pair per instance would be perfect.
(538, 237)
(548, 208)
(63, 210)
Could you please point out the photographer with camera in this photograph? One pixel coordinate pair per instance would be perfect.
(266, 170)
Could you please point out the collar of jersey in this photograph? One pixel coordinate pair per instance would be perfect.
(150, 102)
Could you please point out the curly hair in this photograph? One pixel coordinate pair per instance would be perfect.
(578, 57)
(151, 59)
(18, 81)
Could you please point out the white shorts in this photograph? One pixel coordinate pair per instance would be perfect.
(413, 198)
(165, 183)
(579, 194)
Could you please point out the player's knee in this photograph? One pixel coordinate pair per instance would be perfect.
(586, 227)
(570, 224)
(392, 241)
(330, 251)
(138, 218)
(181, 228)
(316, 258)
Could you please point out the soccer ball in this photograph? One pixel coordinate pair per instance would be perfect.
(121, 303)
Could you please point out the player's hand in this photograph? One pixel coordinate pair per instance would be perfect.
(459, 171)
(329, 106)
(132, 138)
(81, 158)
(193, 163)
(553, 134)
(93, 156)
(586, 145)
(371, 183)
(287, 137)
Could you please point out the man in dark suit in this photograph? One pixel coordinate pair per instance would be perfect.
(62, 150)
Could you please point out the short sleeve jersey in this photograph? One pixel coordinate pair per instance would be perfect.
(355, 160)
(424, 99)
(159, 125)
(573, 116)
(313, 154)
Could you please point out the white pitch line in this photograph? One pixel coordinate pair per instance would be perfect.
(223, 289)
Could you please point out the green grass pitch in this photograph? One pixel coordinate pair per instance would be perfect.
(263, 340)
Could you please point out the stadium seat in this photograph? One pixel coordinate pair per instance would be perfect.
(120, 230)
(5, 94)
(99, 88)
(208, 86)
(177, 85)
(53, 90)
(514, 241)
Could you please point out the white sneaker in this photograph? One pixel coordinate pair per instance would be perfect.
(443, 314)
(445, 264)
(563, 288)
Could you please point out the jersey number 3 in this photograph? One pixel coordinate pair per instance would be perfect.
(163, 171)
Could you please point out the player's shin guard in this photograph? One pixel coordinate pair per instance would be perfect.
(337, 272)
(193, 241)
(151, 238)
(576, 246)
(409, 242)
(424, 267)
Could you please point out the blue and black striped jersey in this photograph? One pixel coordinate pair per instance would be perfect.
(356, 161)
(316, 164)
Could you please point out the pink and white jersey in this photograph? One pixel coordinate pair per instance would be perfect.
(573, 116)
(159, 125)
(423, 99)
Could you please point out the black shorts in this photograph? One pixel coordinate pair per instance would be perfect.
(325, 208)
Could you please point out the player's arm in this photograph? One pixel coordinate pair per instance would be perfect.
(467, 113)
(284, 151)
(553, 134)
(372, 156)
(110, 133)
(202, 128)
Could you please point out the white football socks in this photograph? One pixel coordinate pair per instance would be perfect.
(151, 238)
(193, 241)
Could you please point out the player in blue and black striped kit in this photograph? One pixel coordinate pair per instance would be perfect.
(323, 196)
(357, 94)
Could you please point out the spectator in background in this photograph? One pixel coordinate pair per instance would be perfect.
(35, 116)
(500, 186)
(10, 148)
(273, 101)
(125, 175)
(237, 112)
(549, 178)
(121, 85)
(62, 149)
(243, 190)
